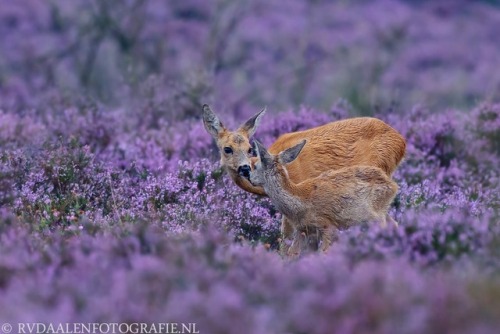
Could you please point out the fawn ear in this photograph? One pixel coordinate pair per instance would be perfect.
(211, 122)
(290, 154)
(262, 153)
(250, 126)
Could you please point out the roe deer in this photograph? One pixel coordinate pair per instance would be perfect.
(336, 199)
(356, 141)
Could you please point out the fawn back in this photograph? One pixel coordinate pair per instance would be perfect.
(333, 200)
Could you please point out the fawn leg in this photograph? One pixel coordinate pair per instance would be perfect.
(299, 238)
(328, 235)
(383, 221)
(287, 233)
(391, 221)
(313, 238)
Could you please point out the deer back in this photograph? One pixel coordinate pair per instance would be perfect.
(351, 142)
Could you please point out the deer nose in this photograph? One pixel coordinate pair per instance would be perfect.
(244, 171)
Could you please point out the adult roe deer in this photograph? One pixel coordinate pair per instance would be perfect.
(336, 199)
(350, 142)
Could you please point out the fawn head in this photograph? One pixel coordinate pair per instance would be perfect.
(268, 165)
(234, 146)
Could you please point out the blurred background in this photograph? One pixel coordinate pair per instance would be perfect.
(167, 57)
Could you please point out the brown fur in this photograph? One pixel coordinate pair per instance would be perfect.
(358, 141)
(361, 141)
(355, 141)
(331, 201)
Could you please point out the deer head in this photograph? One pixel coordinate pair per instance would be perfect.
(234, 146)
(268, 165)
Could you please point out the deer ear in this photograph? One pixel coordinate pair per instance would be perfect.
(211, 122)
(250, 126)
(262, 153)
(290, 154)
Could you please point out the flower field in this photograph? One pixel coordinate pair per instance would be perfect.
(113, 206)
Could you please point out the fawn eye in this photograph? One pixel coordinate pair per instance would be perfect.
(251, 152)
(228, 150)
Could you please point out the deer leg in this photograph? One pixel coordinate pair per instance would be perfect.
(391, 221)
(299, 238)
(380, 218)
(311, 237)
(328, 236)
(287, 233)
(382, 221)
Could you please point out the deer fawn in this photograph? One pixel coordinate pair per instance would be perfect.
(356, 141)
(334, 200)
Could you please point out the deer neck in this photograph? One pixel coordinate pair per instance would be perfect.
(285, 195)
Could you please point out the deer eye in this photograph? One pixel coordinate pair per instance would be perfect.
(228, 150)
(251, 152)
